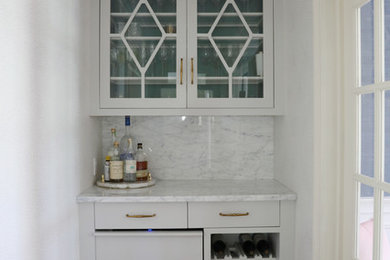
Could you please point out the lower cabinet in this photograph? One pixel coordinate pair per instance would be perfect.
(185, 230)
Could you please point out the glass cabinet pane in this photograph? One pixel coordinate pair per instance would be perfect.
(143, 56)
(230, 49)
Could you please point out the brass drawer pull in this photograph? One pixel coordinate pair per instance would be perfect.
(234, 214)
(140, 216)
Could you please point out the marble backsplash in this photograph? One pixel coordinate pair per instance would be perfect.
(201, 147)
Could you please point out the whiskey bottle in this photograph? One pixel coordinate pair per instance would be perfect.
(142, 164)
(116, 165)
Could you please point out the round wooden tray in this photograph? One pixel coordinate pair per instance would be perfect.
(126, 185)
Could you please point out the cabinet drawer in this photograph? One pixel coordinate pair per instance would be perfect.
(233, 214)
(161, 245)
(140, 215)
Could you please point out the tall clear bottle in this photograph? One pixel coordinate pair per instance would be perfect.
(130, 165)
(113, 140)
(124, 140)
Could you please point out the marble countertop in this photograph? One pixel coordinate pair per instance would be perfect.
(193, 190)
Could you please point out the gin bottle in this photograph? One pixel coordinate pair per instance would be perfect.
(130, 166)
(124, 140)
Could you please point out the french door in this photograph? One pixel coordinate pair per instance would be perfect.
(367, 120)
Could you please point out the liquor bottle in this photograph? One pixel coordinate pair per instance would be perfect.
(116, 165)
(218, 246)
(130, 164)
(262, 245)
(142, 164)
(124, 140)
(247, 245)
(113, 140)
(107, 168)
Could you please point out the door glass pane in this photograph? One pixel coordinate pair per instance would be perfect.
(164, 63)
(122, 65)
(367, 43)
(366, 222)
(123, 6)
(126, 88)
(160, 88)
(367, 130)
(385, 242)
(387, 137)
(209, 64)
(240, 63)
(213, 87)
(136, 48)
(387, 38)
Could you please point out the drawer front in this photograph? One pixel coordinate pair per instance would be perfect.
(140, 215)
(161, 245)
(233, 214)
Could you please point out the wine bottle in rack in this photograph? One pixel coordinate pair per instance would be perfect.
(247, 245)
(263, 245)
(218, 246)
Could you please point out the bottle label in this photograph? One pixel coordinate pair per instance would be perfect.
(116, 170)
(142, 165)
(130, 166)
(142, 174)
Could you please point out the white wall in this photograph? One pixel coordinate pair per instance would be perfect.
(47, 141)
(294, 131)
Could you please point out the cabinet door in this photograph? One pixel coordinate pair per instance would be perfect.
(230, 48)
(142, 49)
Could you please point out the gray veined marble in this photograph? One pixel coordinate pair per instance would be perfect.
(202, 147)
(193, 190)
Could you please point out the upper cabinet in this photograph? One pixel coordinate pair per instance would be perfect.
(173, 57)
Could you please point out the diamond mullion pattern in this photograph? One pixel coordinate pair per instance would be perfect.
(228, 68)
(143, 69)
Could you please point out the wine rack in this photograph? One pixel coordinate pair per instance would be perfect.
(234, 249)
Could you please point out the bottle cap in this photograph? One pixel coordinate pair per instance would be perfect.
(108, 158)
(116, 144)
(113, 130)
(139, 145)
(127, 120)
(129, 140)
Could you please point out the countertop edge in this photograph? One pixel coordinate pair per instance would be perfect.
(103, 199)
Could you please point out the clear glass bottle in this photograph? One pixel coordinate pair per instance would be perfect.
(116, 165)
(130, 165)
(142, 164)
(124, 140)
(113, 140)
(107, 168)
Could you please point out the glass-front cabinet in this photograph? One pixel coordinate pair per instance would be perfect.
(142, 54)
(231, 53)
(186, 54)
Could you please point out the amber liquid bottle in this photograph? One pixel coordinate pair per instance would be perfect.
(116, 165)
(142, 164)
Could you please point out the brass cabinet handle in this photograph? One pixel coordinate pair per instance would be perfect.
(140, 216)
(192, 71)
(234, 214)
(181, 71)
